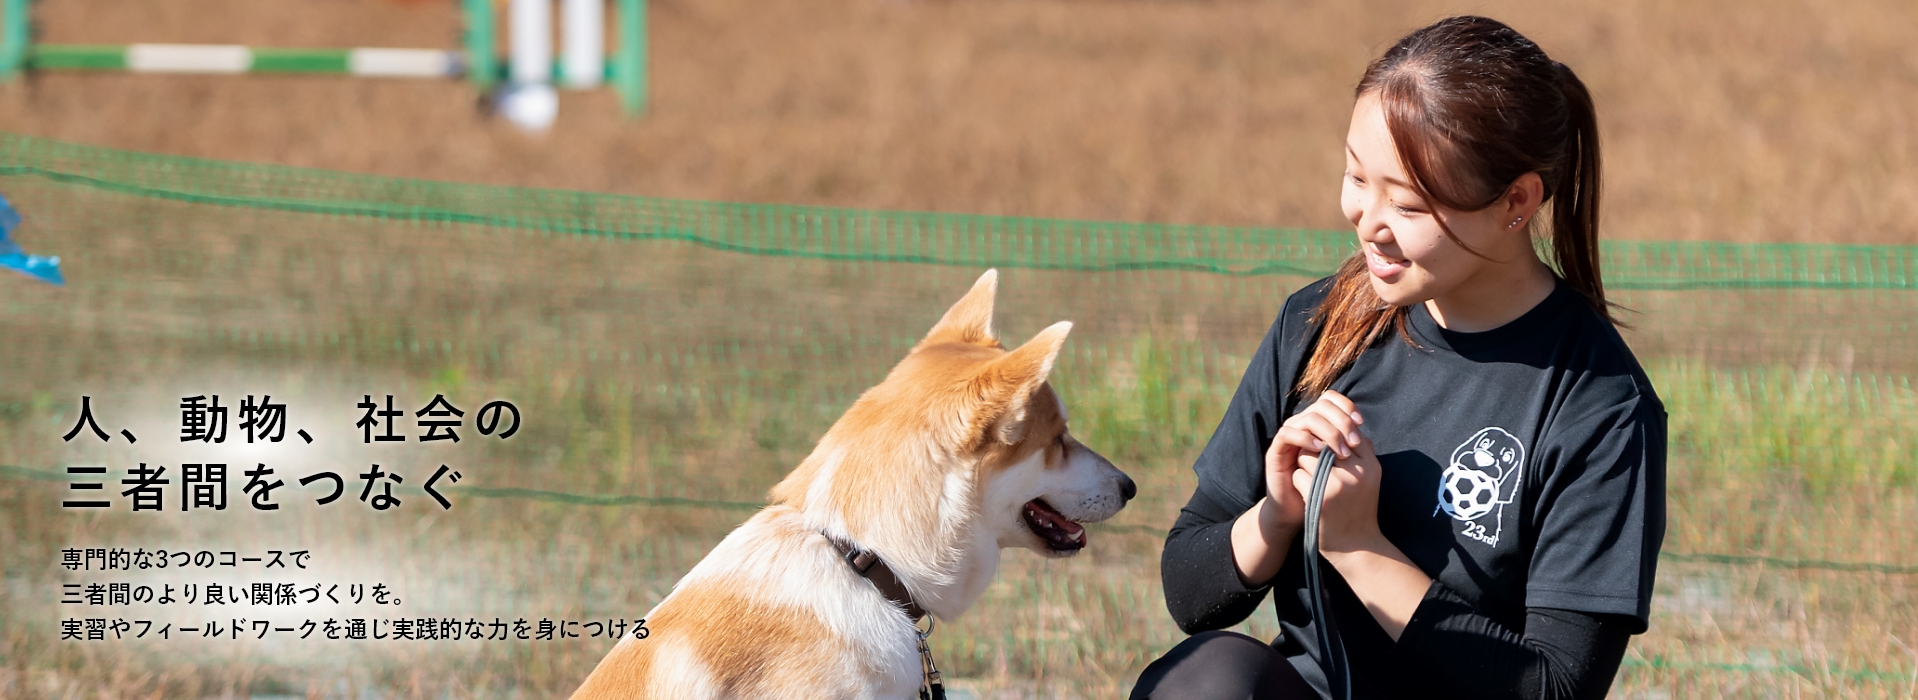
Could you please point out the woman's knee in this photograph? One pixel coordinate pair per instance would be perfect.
(1219, 665)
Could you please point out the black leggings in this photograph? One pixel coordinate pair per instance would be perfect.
(1221, 665)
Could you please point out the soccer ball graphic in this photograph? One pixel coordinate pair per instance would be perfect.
(1482, 476)
(1468, 494)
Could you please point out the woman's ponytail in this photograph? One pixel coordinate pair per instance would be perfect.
(1575, 196)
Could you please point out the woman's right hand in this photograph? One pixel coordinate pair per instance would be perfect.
(1261, 539)
(1282, 513)
(1331, 420)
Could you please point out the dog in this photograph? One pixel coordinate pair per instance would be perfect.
(900, 510)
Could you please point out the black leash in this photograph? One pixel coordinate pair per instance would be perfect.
(1331, 648)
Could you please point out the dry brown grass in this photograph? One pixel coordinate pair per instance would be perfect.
(1784, 120)
(664, 369)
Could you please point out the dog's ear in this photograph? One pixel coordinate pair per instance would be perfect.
(970, 320)
(1010, 382)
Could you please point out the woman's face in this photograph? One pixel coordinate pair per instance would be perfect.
(1409, 257)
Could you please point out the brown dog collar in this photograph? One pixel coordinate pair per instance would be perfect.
(875, 570)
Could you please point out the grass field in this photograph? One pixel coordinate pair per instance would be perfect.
(1080, 628)
(665, 371)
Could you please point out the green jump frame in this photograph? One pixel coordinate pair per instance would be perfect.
(479, 62)
(218, 59)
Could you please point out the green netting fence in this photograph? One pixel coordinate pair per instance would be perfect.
(840, 234)
(675, 358)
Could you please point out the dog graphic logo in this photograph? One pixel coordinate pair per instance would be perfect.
(1482, 477)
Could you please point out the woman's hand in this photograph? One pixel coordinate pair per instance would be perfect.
(1349, 518)
(1383, 578)
(1282, 513)
(1263, 535)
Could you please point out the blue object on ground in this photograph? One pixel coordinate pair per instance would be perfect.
(42, 267)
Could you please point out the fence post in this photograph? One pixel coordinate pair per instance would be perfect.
(482, 63)
(629, 67)
(530, 27)
(582, 43)
(14, 37)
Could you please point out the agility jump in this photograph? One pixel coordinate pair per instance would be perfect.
(523, 83)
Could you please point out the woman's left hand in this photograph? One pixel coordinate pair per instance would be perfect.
(1349, 519)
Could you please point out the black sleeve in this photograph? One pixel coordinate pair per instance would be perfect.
(1202, 586)
(1600, 513)
(1563, 654)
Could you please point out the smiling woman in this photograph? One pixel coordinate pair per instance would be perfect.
(1512, 388)
(1466, 141)
(1398, 224)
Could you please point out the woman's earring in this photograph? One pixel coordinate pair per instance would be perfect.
(1515, 222)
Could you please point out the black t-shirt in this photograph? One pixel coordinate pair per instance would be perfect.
(1523, 467)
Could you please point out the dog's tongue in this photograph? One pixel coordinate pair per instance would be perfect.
(1059, 533)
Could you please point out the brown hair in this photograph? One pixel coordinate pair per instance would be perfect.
(1472, 105)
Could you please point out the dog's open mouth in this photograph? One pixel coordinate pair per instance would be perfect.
(1059, 532)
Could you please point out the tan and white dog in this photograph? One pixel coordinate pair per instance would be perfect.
(961, 451)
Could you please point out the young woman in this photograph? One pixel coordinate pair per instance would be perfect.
(1497, 502)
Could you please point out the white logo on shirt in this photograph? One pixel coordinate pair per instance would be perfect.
(1483, 476)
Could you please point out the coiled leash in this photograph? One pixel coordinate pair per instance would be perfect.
(1337, 673)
